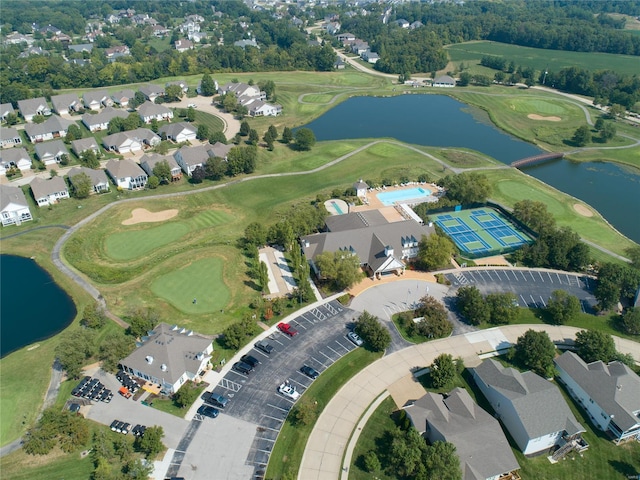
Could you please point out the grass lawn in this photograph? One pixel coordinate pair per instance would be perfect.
(128, 245)
(201, 281)
(167, 405)
(55, 465)
(541, 59)
(287, 452)
(213, 123)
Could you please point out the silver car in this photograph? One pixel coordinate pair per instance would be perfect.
(355, 338)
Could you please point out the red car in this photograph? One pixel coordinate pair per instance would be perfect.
(287, 329)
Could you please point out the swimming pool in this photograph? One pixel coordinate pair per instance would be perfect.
(337, 207)
(413, 194)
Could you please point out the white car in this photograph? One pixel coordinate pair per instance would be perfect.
(192, 105)
(289, 391)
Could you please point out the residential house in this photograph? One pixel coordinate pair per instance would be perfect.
(258, 108)
(14, 208)
(610, 393)
(189, 158)
(361, 188)
(14, 158)
(369, 56)
(251, 42)
(95, 100)
(359, 47)
(339, 64)
(33, 106)
(51, 153)
(6, 109)
(178, 132)
(416, 24)
(183, 45)
(197, 37)
(83, 144)
(149, 161)
(53, 127)
(66, 103)
(100, 121)
(15, 38)
(531, 408)
(149, 111)
(80, 48)
(126, 174)
(190, 26)
(220, 150)
(48, 192)
(9, 137)
(98, 178)
(382, 247)
(160, 31)
(346, 36)
(444, 81)
(116, 52)
(179, 83)
(333, 28)
(33, 51)
(402, 23)
(481, 445)
(151, 92)
(123, 97)
(169, 356)
(242, 90)
(130, 141)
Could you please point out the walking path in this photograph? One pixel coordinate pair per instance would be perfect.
(328, 452)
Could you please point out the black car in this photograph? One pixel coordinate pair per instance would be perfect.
(242, 367)
(264, 346)
(216, 400)
(312, 373)
(249, 360)
(139, 430)
(208, 411)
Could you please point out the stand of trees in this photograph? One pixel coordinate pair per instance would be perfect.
(536, 351)
(374, 333)
(616, 283)
(495, 308)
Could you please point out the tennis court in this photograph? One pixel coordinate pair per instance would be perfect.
(481, 231)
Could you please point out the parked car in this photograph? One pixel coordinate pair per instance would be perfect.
(249, 360)
(355, 338)
(242, 367)
(289, 391)
(216, 400)
(74, 407)
(312, 373)
(287, 329)
(208, 411)
(139, 430)
(192, 105)
(264, 347)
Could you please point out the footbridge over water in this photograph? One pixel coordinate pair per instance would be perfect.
(536, 159)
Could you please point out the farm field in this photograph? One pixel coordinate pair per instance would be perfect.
(540, 59)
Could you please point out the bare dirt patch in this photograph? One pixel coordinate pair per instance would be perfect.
(535, 116)
(582, 210)
(142, 215)
(497, 260)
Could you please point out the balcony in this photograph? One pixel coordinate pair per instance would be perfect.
(515, 475)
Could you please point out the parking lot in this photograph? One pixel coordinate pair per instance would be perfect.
(532, 287)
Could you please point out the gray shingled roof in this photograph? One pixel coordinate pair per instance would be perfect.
(220, 150)
(9, 194)
(174, 129)
(124, 168)
(6, 108)
(150, 90)
(83, 144)
(105, 116)
(122, 94)
(30, 106)
(193, 155)
(50, 148)
(6, 133)
(168, 346)
(52, 124)
(14, 155)
(614, 387)
(148, 109)
(538, 402)
(64, 101)
(97, 176)
(150, 160)
(97, 96)
(360, 184)
(42, 188)
(480, 442)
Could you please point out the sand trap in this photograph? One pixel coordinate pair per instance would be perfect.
(142, 215)
(535, 116)
(582, 210)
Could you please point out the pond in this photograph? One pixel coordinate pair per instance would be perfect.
(33, 306)
(441, 121)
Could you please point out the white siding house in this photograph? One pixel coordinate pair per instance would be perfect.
(14, 208)
(48, 192)
(16, 157)
(127, 174)
(51, 153)
(179, 132)
(98, 178)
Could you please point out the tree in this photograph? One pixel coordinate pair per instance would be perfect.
(472, 305)
(73, 133)
(339, 267)
(442, 370)
(563, 307)
(594, 345)
(435, 251)
(93, 316)
(89, 159)
(466, 188)
(464, 79)
(617, 111)
(173, 93)
(534, 215)
(64, 159)
(74, 349)
(434, 323)
(207, 86)
(191, 114)
(217, 137)
(268, 87)
(599, 124)
(405, 453)
(373, 332)
(287, 135)
(305, 411)
(154, 127)
(305, 139)
(198, 175)
(229, 102)
(114, 347)
(255, 234)
(442, 462)
(82, 185)
(162, 171)
(608, 132)
(582, 136)
(616, 283)
(630, 321)
(262, 275)
(151, 442)
(633, 253)
(536, 351)
(254, 138)
(141, 321)
(372, 462)
(203, 132)
(215, 168)
(153, 182)
(504, 308)
(245, 128)
(186, 395)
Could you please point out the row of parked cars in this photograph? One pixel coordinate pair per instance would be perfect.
(92, 389)
(125, 428)
(129, 385)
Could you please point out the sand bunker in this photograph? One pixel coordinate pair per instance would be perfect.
(142, 215)
(535, 116)
(582, 210)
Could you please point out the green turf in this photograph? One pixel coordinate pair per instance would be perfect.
(59, 466)
(134, 244)
(213, 123)
(209, 218)
(535, 105)
(201, 280)
(541, 59)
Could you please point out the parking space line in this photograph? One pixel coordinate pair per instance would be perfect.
(299, 325)
(522, 274)
(299, 383)
(542, 300)
(342, 346)
(318, 361)
(339, 355)
(278, 408)
(269, 428)
(255, 350)
(549, 275)
(523, 300)
(540, 275)
(322, 353)
(281, 420)
(558, 275)
(287, 399)
(534, 302)
(267, 439)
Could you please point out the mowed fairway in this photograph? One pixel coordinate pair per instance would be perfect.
(201, 280)
(533, 105)
(128, 245)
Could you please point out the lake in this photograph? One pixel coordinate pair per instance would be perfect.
(33, 306)
(441, 121)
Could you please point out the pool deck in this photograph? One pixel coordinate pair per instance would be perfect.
(373, 203)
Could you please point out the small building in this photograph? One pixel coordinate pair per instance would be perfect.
(149, 111)
(82, 145)
(183, 45)
(123, 97)
(5, 110)
(14, 158)
(98, 178)
(127, 174)
(251, 42)
(531, 408)
(149, 161)
(242, 90)
(130, 141)
(9, 137)
(178, 132)
(220, 150)
(339, 64)
(51, 153)
(95, 100)
(66, 103)
(33, 106)
(48, 192)
(82, 47)
(189, 158)
(52, 127)
(444, 81)
(14, 208)
(402, 23)
(610, 393)
(361, 188)
(97, 122)
(369, 56)
(151, 91)
(179, 83)
(169, 356)
(259, 108)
